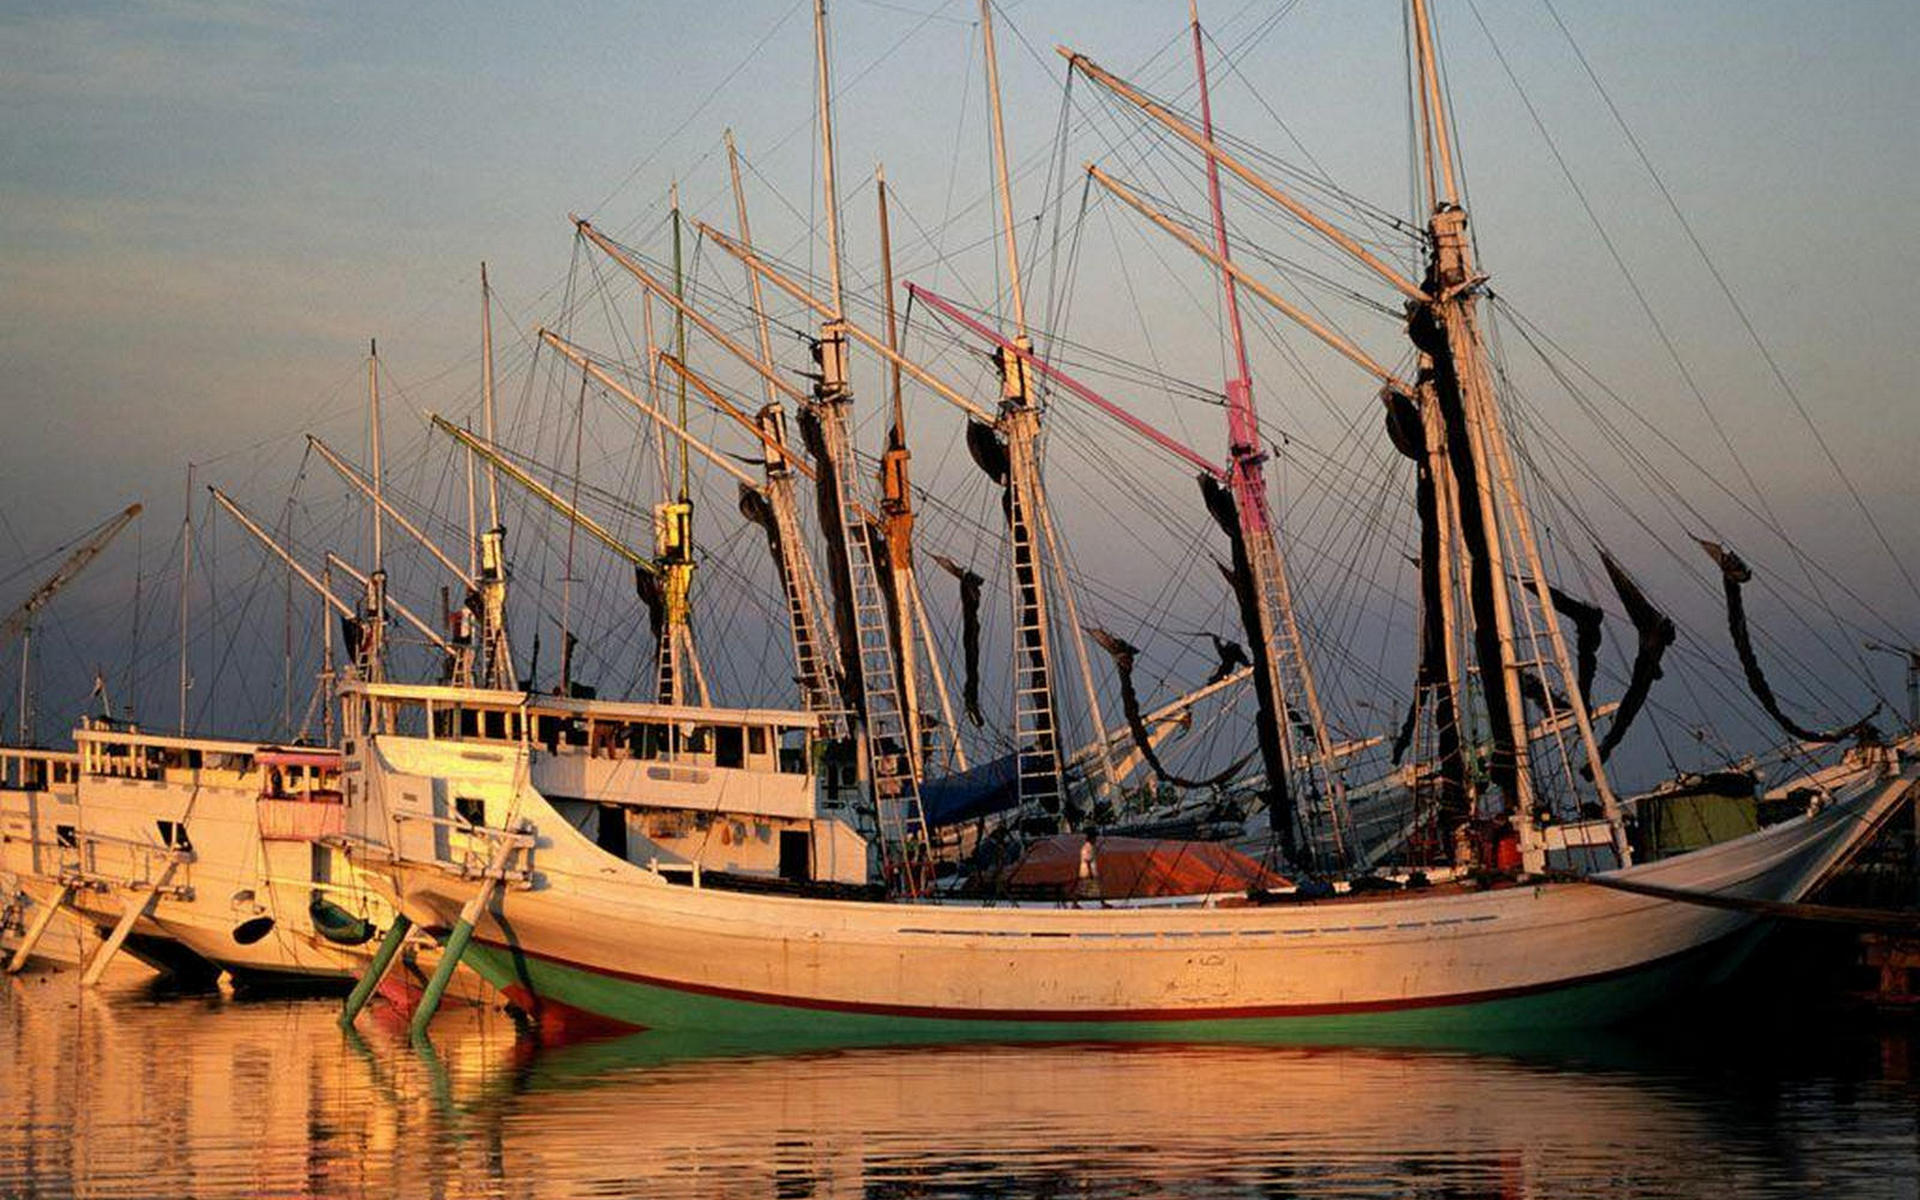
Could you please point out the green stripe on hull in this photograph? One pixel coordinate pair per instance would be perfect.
(770, 1025)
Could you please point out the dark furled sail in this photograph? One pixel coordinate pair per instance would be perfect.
(1407, 430)
(970, 584)
(1273, 755)
(647, 586)
(1734, 573)
(1123, 653)
(1655, 632)
(826, 488)
(1587, 636)
(1424, 328)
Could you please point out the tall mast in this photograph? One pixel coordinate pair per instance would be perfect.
(761, 324)
(673, 526)
(890, 741)
(896, 502)
(486, 395)
(1282, 673)
(823, 86)
(1493, 514)
(372, 651)
(379, 476)
(1030, 532)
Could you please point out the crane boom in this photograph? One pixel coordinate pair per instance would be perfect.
(76, 562)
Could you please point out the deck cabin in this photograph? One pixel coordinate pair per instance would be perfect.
(732, 790)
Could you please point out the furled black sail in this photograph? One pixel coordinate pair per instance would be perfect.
(1734, 574)
(970, 584)
(1268, 726)
(1123, 653)
(1655, 632)
(826, 486)
(1430, 338)
(1407, 431)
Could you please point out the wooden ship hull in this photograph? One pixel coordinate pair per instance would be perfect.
(583, 940)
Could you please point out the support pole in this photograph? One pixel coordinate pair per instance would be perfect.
(376, 970)
(41, 924)
(457, 941)
(97, 965)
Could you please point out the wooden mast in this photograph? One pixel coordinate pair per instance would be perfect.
(896, 506)
(813, 648)
(372, 651)
(1287, 676)
(1455, 284)
(890, 742)
(1031, 536)
(673, 531)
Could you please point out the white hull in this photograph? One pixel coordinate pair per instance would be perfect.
(622, 943)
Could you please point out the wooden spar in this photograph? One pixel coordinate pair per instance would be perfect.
(347, 472)
(1002, 184)
(542, 492)
(266, 539)
(680, 335)
(486, 394)
(379, 476)
(1055, 375)
(1891, 920)
(876, 344)
(728, 408)
(655, 287)
(1213, 151)
(1433, 112)
(406, 614)
(1299, 316)
(832, 195)
(761, 324)
(579, 359)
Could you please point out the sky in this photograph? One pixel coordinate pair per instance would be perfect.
(208, 207)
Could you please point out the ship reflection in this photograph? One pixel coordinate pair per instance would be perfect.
(138, 1093)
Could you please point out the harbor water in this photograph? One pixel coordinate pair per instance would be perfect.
(132, 1090)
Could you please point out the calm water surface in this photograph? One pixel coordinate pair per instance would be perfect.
(133, 1092)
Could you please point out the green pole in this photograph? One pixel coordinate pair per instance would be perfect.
(376, 970)
(442, 975)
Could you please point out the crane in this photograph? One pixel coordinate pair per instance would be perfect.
(19, 622)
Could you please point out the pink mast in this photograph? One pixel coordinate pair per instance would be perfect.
(1243, 425)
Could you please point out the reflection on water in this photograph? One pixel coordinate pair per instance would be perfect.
(130, 1092)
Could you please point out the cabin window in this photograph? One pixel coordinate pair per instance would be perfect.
(496, 726)
(650, 740)
(793, 752)
(576, 732)
(547, 732)
(469, 723)
(65, 835)
(33, 774)
(472, 811)
(63, 772)
(729, 746)
(699, 740)
(173, 834)
(756, 740)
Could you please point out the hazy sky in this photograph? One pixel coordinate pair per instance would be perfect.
(207, 207)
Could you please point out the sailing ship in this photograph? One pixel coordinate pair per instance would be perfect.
(681, 865)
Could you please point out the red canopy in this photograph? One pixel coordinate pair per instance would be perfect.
(1122, 868)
